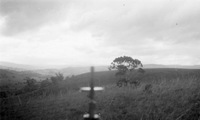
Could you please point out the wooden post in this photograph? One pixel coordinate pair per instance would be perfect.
(92, 105)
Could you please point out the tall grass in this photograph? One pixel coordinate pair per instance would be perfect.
(169, 100)
(177, 98)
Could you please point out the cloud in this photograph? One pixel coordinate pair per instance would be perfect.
(145, 28)
(153, 31)
(23, 15)
(134, 21)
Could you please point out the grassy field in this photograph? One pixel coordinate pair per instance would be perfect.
(174, 95)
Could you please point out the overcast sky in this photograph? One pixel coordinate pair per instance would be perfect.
(91, 32)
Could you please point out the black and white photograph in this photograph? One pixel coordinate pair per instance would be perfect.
(99, 59)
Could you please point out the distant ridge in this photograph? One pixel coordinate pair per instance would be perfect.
(68, 71)
(171, 66)
(11, 76)
(14, 66)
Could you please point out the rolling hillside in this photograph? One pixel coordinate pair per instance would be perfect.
(104, 78)
(171, 66)
(175, 94)
(8, 77)
(69, 71)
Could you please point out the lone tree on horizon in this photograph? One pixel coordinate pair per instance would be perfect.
(125, 66)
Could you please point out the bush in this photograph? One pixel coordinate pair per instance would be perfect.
(30, 84)
(45, 83)
(58, 78)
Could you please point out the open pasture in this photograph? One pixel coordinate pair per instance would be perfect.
(174, 95)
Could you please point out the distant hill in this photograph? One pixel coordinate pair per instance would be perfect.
(14, 66)
(69, 71)
(171, 66)
(104, 78)
(80, 70)
(11, 76)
